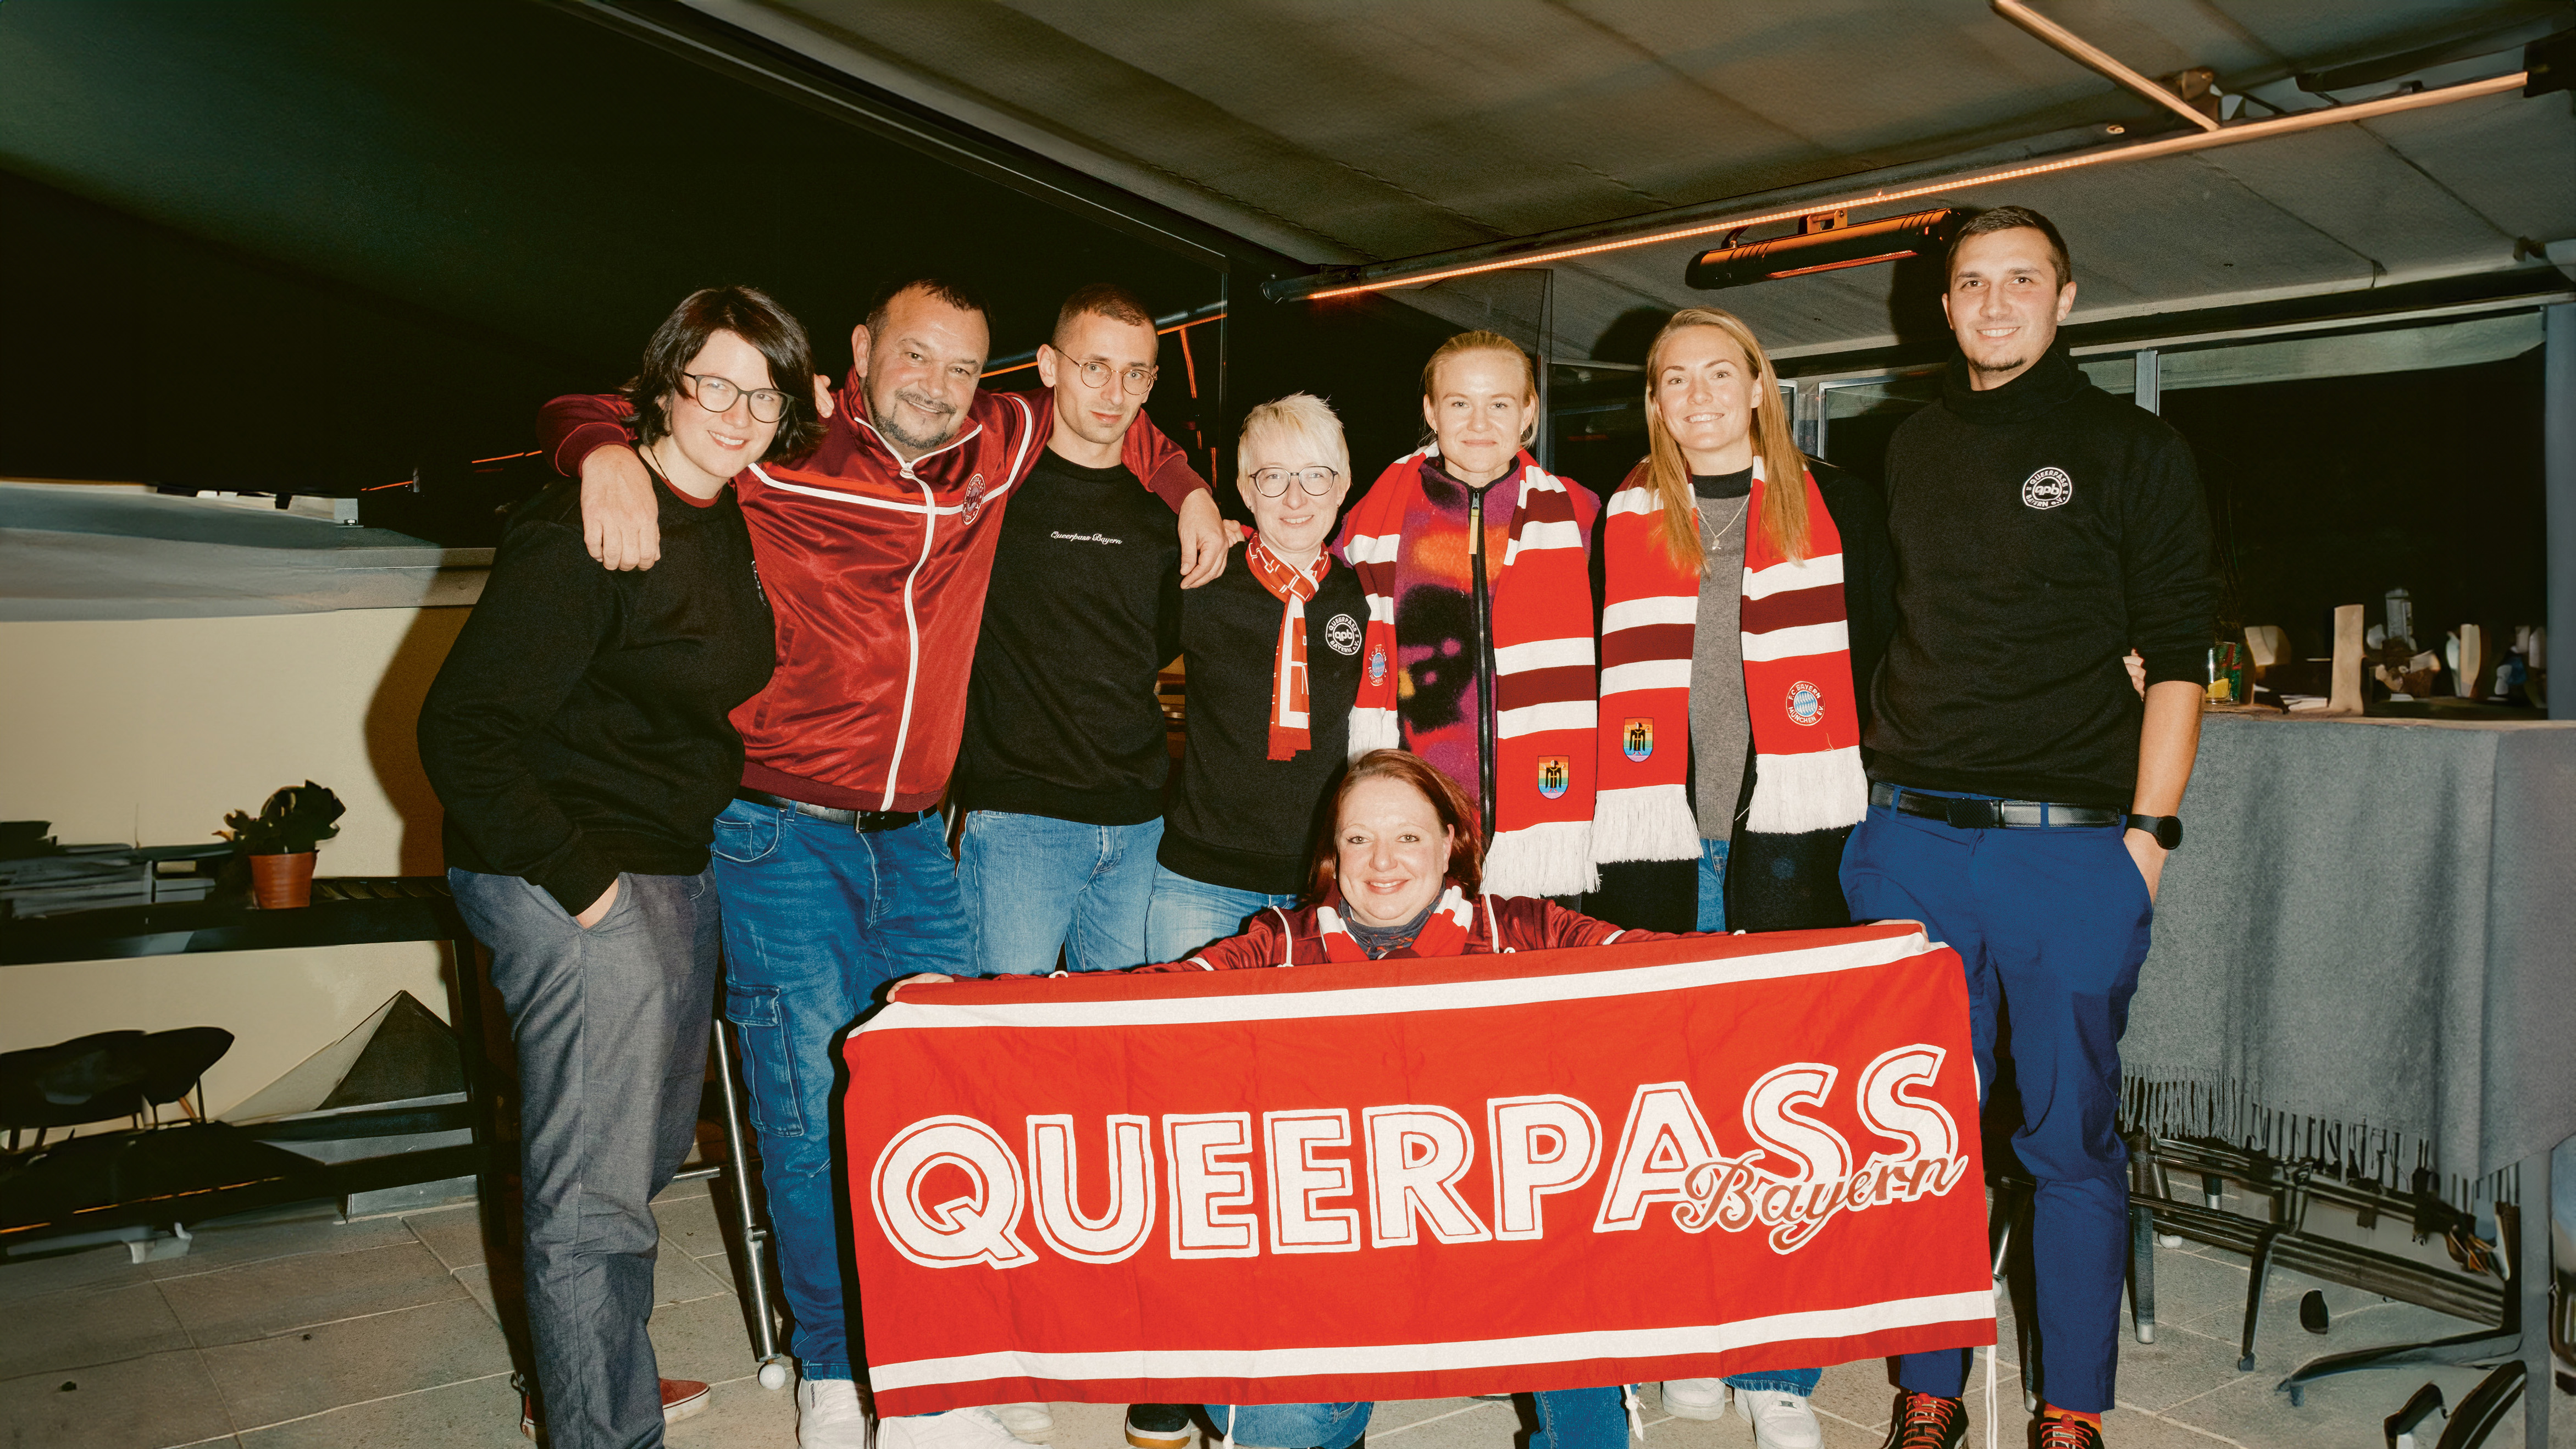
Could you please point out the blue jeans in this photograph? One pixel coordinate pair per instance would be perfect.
(2051, 925)
(1712, 917)
(1581, 1419)
(1712, 884)
(817, 919)
(1291, 1426)
(1036, 885)
(1186, 914)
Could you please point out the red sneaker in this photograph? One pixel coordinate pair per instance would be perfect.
(1927, 1421)
(2057, 1431)
(681, 1399)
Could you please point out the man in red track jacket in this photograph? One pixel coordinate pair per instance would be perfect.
(831, 864)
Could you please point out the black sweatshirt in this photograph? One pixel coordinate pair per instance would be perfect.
(580, 726)
(1083, 612)
(1240, 818)
(2042, 530)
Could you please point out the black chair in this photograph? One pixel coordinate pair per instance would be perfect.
(106, 1075)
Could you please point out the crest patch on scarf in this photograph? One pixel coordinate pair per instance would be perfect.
(1637, 741)
(1377, 666)
(1553, 775)
(1806, 704)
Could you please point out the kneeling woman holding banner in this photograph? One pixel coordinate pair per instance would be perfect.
(1399, 876)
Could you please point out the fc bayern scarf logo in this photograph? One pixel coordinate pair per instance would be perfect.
(1806, 704)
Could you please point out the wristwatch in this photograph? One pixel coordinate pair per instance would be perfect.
(2167, 829)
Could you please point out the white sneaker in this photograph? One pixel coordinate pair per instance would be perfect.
(1780, 1419)
(956, 1429)
(1030, 1423)
(829, 1415)
(1695, 1398)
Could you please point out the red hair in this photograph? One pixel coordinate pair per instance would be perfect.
(1456, 812)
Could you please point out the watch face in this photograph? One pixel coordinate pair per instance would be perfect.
(2169, 832)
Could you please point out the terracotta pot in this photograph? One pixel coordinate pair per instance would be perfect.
(282, 882)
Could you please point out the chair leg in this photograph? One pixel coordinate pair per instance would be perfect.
(2254, 1284)
(2142, 1270)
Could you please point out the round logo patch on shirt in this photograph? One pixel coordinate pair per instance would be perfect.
(1806, 704)
(1342, 632)
(974, 498)
(2047, 488)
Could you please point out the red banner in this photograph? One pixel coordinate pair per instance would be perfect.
(1419, 1179)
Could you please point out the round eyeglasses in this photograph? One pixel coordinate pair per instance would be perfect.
(1137, 379)
(716, 395)
(1273, 482)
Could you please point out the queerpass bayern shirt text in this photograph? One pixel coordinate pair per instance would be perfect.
(1083, 612)
(2042, 530)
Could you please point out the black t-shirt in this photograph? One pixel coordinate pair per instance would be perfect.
(2042, 530)
(1239, 818)
(1083, 612)
(581, 724)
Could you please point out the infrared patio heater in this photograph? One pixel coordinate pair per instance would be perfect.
(1823, 242)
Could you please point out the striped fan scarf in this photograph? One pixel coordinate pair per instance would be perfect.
(1444, 934)
(1543, 682)
(1292, 586)
(1797, 683)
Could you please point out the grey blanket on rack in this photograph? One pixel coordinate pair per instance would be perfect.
(2366, 949)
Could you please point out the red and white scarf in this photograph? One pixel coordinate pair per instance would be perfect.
(1543, 682)
(1443, 934)
(1797, 683)
(1292, 586)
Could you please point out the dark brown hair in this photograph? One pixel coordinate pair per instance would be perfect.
(1456, 811)
(940, 289)
(2010, 218)
(747, 313)
(1099, 299)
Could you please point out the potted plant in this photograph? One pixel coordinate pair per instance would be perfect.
(281, 840)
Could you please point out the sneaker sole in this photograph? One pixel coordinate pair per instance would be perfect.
(1706, 1414)
(690, 1407)
(1142, 1439)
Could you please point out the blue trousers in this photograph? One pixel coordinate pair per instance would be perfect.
(1186, 914)
(2051, 925)
(1035, 886)
(1567, 1419)
(817, 920)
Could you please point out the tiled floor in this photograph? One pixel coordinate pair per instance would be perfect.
(306, 1333)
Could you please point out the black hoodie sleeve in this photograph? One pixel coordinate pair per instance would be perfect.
(545, 613)
(2168, 564)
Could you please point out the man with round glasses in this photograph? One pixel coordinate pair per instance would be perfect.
(1060, 773)
(831, 862)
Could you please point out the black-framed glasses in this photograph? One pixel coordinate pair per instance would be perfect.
(1096, 374)
(1273, 482)
(716, 395)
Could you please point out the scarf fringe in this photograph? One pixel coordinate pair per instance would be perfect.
(1373, 729)
(1643, 822)
(2172, 1105)
(1551, 858)
(1793, 794)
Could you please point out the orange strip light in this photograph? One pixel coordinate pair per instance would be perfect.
(2170, 146)
(1182, 328)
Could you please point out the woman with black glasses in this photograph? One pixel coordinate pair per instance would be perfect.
(579, 736)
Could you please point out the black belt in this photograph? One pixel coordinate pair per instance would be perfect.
(865, 822)
(1982, 814)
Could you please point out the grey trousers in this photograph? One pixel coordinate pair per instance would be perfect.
(611, 1029)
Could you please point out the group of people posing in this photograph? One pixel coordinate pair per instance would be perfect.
(696, 738)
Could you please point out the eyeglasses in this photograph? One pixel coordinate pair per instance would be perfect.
(1096, 374)
(1273, 482)
(716, 395)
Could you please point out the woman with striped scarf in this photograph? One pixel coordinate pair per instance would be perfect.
(1746, 597)
(1478, 651)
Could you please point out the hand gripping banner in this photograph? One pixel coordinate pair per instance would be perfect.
(1419, 1179)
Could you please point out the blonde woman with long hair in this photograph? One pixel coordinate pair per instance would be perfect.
(1747, 597)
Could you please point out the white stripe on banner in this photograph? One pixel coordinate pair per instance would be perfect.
(1646, 674)
(1797, 642)
(1372, 548)
(1397, 1000)
(1660, 609)
(1543, 654)
(1781, 578)
(1636, 500)
(1533, 537)
(1403, 1358)
(1533, 719)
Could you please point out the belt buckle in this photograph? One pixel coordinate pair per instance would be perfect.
(1966, 814)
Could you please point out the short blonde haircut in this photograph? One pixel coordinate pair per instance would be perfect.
(1298, 418)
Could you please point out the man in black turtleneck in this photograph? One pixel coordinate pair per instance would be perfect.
(2023, 798)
